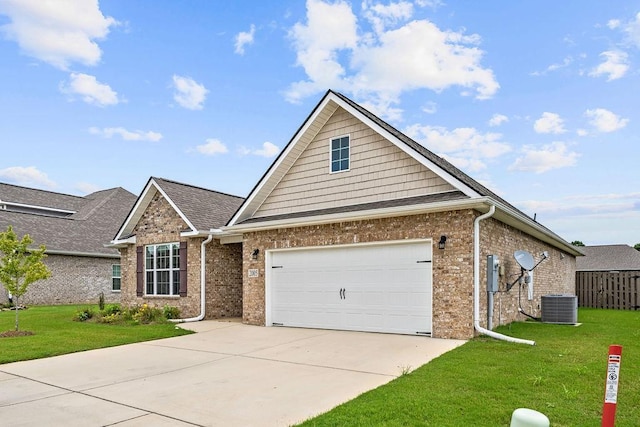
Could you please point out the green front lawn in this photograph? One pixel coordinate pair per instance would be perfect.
(56, 333)
(482, 382)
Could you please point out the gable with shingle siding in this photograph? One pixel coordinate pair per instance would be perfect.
(379, 171)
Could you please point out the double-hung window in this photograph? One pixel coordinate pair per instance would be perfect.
(340, 154)
(162, 269)
(115, 277)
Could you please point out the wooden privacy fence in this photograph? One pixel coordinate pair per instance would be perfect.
(608, 289)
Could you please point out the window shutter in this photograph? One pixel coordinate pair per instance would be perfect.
(183, 269)
(139, 271)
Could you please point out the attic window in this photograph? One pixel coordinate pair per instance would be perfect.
(340, 154)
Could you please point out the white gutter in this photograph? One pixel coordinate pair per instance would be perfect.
(202, 282)
(476, 284)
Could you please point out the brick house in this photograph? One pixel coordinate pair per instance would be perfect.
(171, 245)
(355, 226)
(74, 230)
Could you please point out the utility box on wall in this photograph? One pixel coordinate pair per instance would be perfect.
(493, 273)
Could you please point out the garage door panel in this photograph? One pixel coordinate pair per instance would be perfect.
(379, 288)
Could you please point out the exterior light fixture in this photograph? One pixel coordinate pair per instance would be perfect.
(255, 254)
(442, 242)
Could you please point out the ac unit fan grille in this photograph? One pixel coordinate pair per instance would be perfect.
(560, 309)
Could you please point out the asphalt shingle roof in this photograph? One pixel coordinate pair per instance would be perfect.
(608, 258)
(204, 208)
(98, 216)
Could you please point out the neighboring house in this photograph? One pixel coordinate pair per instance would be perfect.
(608, 276)
(355, 226)
(74, 230)
(165, 242)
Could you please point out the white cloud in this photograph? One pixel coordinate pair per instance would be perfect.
(465, 147)
(127, 135)
(381, 16)
(244, 38)
(551, 156)
(188, 93)
(604, 120)
(430, 107)
(582, 132)
(613, 24)
(90, 90)
(553, 67)
(379, 66)
(498, 119)
(87, 188)
(28, 176)
(57, 32)
(549, 123)
(212, 147)
(615, 65)
(632, 28)
(268, 150)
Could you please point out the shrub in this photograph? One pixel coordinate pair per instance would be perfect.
(111, 309)
(171, 312)
(146, 314)
(84, 314)
(101, 301)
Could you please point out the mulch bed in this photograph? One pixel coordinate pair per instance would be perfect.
(9, 334)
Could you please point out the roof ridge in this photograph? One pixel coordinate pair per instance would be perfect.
(155, 178)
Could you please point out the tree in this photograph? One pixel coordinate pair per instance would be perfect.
(19, 265)
(637, 246)
(577, 243)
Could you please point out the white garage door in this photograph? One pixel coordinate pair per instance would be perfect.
(376, 288)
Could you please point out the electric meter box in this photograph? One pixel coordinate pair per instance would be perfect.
(493, 273)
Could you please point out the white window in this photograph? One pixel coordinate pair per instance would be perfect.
(115, 277)
(162, 269)
(340, 154)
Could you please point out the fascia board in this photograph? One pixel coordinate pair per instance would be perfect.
(136, 211)
(275, 168)
(478, 203)
(456, 183)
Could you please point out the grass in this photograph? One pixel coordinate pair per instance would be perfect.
(56, 333)
(482, 382)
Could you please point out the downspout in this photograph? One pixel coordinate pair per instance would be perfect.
(202, 282)
(476, 284)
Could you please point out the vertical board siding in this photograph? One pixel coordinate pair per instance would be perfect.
(378, 171)
(604, 289)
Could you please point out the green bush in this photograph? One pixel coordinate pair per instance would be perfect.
(84, 314)
(111, 309)
(171, 312)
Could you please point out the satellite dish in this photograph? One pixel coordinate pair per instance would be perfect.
(525, 259)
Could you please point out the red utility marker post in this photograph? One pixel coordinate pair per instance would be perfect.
(611, 387)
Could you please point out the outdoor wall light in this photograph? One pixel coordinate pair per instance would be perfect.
(255, 254)
(442, 242)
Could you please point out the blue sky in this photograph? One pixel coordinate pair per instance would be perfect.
(536, 100)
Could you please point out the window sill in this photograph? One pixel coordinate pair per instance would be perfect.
(162, 296)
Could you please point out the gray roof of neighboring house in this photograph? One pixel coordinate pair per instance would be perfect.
(96, 219)
(205, 209)
(608, 258)
(43, 198)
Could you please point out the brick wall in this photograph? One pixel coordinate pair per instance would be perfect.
(555, 275)
(160, 223)
(74, 280)
(223, 294)
(452, 267)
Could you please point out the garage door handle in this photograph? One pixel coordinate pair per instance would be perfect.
(343, 292)
(421, 262)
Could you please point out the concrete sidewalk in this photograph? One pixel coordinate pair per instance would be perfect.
(228, 374)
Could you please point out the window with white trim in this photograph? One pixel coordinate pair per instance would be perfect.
(115, 277)
(340, 154)
(162, 269)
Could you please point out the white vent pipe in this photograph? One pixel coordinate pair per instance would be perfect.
(476, 284)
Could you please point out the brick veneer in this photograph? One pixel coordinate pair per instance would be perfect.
(452, 267)
(160, 223)
(74, 280)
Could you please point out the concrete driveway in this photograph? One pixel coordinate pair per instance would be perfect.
(228, 374)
